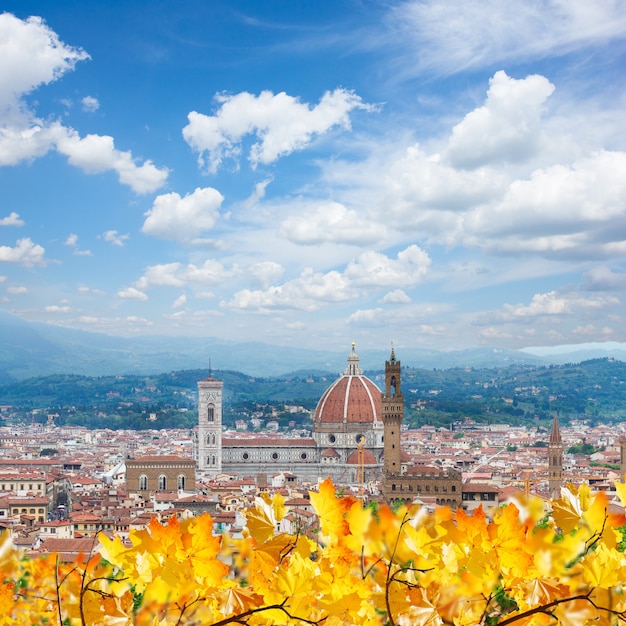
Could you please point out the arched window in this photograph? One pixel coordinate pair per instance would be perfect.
(181, 481)
(213, 460)
(162, 482)
(210, 414)
(143, 482)
(213, 439)
(208, 440)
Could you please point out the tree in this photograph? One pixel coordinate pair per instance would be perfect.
(363, 566)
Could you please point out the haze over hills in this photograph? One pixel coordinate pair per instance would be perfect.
(30, 349)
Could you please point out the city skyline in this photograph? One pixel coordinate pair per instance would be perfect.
(444, 175)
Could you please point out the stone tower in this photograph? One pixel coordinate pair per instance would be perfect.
(392, 415)
(209, 438)
(555, 460)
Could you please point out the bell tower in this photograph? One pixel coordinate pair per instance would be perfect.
(392, 414)
(555, 460)
(209, 440)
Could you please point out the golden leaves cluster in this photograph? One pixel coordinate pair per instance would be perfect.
(531, 564)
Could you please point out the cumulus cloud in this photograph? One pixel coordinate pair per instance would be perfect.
(331, 222)
(555, 304)
(281, 124)
(446, 36)
(265, 272)
(130, 293)
(31, 55)
(13, 219)
(183, 219)
(72, 242)
(307, 293)
(90, 104)
(95, 154)
(603, 278)
(501, 130)
(397, 296)
(112, 236)
(24, 253)
(55, 308)
(576, 209)
(17, 290)
(375, 269)
(211, 272)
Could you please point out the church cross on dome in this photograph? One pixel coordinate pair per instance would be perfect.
(353, 369)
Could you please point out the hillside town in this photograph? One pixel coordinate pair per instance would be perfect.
(61, 486)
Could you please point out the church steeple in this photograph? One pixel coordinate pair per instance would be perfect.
(555, 460)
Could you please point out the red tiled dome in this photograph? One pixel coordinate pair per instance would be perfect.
(352, 398)
(368, 458)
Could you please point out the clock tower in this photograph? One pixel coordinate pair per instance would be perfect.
(208, 449)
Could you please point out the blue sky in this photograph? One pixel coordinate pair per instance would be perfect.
(441, 174)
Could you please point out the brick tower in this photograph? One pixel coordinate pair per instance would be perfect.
(392, 415)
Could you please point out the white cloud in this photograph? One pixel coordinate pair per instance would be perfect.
(555, 304)
(307, 293)
(180, 301)
(603, 278)
(265, 272)
(2, 279)
(95, 154)
(182, 219)
(32, 55)
(55, 308)
(448, 36)
(17, 290)
(13, 219)
(280, 123)
(575, 210)
(163, 275)
(375, 269)
(258, 193)
(90, 104)
(211, 272)
(397, 296)
(506, 128)
(72, 240)
(24, 253)
(331, 222)
(130, 293)
(112, 236)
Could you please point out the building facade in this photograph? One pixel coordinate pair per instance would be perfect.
(148, 474)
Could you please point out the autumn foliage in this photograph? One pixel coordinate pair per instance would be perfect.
(529, 565)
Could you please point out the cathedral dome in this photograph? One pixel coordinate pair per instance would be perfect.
(351, 399)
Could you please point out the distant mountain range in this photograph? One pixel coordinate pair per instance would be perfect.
(29, 349)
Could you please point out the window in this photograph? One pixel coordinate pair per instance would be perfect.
(303, 456)
(210, 414)
(181, 481)
(143, 482)
(332, 438)
(393, 487)
(162, 482)
(274, 455)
